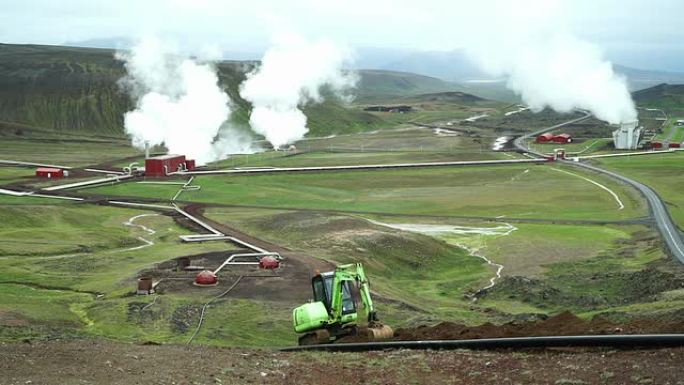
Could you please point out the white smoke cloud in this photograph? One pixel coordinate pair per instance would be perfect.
(291, 74)
(545, 63)
(178, 103)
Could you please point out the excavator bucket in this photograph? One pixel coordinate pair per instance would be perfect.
(379, 333)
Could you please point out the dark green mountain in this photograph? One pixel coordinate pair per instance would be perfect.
(669, 97)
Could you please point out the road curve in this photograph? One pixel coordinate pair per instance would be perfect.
(520, 144)
(663, 221)
(666, 227)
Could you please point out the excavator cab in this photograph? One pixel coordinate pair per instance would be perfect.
(322, 290)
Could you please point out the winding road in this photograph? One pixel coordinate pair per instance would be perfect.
(667, 228)
(664, 224)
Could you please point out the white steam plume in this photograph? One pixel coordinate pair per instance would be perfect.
(291, 74)
(178, 103)
(545, 64)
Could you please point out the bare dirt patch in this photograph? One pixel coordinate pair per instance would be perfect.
(105, 362)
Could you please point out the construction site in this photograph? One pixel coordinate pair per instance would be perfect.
(187, 220)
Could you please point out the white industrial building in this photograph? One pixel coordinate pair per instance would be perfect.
(627, 136)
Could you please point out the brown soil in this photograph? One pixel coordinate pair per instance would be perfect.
(293, 281)
(173, 280)
(563, 324)
(105, 362)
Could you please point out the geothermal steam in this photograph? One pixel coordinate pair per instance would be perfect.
(548, 66)
(291, 74)
(178, 103)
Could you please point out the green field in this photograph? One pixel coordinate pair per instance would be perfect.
(586, 147)
(471, 191)
(672, 131)
(14, 174)
(434, 280)
(661, 172)
(65, 152)
(407, 139)
(322, 158)
(55, 259)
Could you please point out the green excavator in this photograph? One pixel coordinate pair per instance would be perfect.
(342, 310)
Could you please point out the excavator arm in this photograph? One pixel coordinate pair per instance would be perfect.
(352, 273)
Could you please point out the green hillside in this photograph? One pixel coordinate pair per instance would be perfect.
(375, 85)
(75, 90)
(669, 97)
(61, 88)
(55, 90)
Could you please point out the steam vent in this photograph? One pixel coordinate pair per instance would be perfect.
(627, 136)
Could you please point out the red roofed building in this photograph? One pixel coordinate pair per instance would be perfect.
(562, 138)
(163, 165)
(49, 172)
(545, 138)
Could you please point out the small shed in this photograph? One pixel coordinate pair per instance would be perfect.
(545, 138)
(49, 172)
(164, 164)
(562, 138)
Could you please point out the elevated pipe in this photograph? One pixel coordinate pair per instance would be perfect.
(229, 261)
(618, 341)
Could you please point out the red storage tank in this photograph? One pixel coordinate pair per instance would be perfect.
(206, 278)
(164, 164)
(562, 138)
(49, 172)
(189, 164)
(269, 262)
(544, 138)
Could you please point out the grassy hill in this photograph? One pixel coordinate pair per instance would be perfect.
(376, 85)
(447, 97)
(669, 97)
(56, 90)
(61, 88)
(67, 90)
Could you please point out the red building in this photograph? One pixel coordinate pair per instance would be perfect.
(190, 164)
(675, 145)
(49, 172)
(562, 138)
(545, 138)
(549, 137)
(164, 164)
(656, 145)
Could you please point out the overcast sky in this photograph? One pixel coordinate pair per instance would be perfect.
(647, 34)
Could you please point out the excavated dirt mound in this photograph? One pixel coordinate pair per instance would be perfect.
(564, 323)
